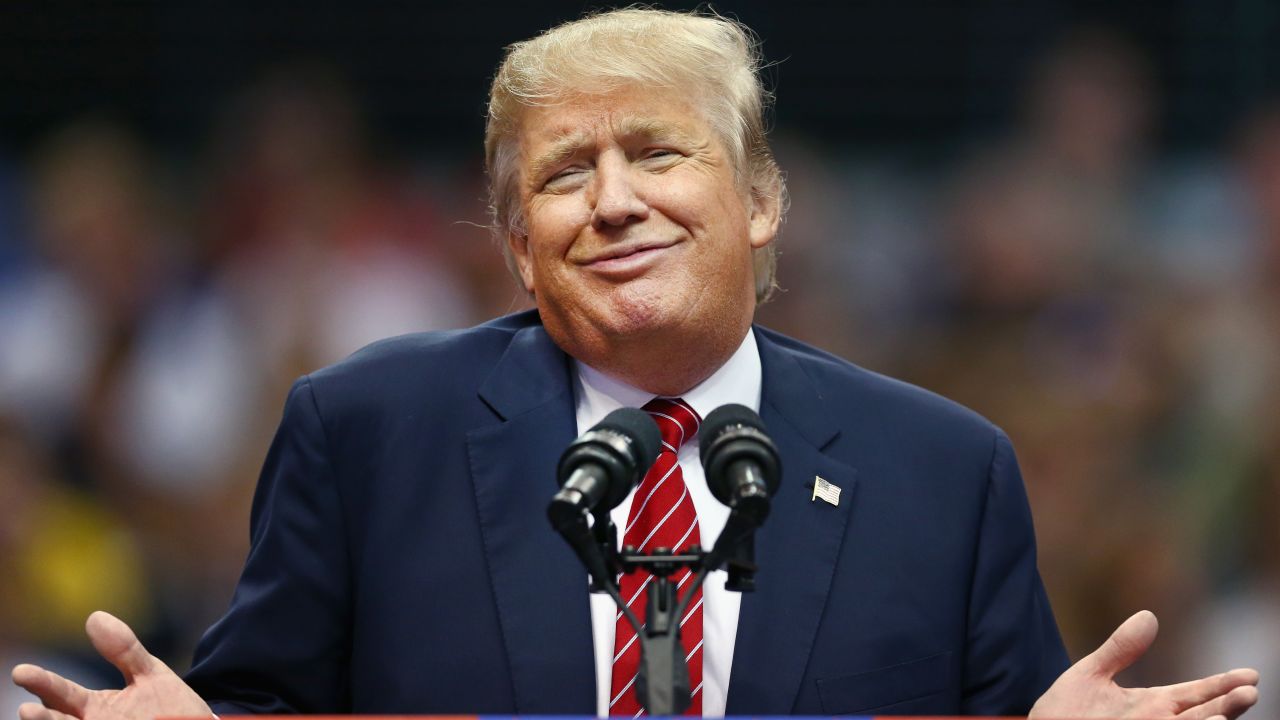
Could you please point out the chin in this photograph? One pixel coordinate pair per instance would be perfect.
(634, 313)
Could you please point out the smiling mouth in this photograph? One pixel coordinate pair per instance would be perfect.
(627, 264)
(623, 254)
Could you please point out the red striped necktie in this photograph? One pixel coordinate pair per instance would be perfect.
(662, 516)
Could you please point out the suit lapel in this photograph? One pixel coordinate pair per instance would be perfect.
(798, 546)
(539, 586)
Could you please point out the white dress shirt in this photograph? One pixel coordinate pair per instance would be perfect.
(737, 381)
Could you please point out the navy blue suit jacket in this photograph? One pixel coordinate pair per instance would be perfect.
(401, 560)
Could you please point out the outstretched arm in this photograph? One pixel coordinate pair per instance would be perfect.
(151, 688)
(1088, 689)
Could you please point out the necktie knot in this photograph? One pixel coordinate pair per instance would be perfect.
(677, 421)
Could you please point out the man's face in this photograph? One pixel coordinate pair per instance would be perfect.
(637, 229)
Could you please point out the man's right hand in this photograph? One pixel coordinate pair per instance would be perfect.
(151, 688)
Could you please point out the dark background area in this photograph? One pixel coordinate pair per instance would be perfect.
(905, 75)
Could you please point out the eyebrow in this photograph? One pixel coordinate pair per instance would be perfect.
(651, 129)
(571, 143)
(562, 148)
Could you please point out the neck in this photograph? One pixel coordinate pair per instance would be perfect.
(670, 367)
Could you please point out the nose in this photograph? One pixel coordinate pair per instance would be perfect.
(616, 201)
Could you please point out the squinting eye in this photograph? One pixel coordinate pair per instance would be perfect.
(564, 177)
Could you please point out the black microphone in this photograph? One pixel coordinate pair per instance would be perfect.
(740, 461)
(598, 469)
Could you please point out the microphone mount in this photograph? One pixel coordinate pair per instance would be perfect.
(662, 682)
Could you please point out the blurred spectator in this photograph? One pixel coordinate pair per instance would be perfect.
(122, 356)
(1051, 211)
(816, 230)
(1235, 477)
(1242, 626)
(62, 553)
(1047, 328)
(98, 262)
(62, 556)
(324, 247)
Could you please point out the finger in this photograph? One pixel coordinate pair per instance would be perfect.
(116, 642)
(1196, 692)
(32, 711)
(1125, 645)
(55, 691)
(1238, 701)
(1229, 706)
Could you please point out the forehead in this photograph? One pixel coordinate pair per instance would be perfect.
(583, 121)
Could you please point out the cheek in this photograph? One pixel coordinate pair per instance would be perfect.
(553, 226)
(719, 219)
(706, 197)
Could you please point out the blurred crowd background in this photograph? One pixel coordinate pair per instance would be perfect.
(1065, 215)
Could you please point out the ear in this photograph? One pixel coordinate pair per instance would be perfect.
(766, 214)
(518, 244)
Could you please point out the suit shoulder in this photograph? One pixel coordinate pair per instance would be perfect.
(889, 402)
(437, 361)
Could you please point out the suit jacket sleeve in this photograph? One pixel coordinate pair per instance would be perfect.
(283, 646)
(1013, 650)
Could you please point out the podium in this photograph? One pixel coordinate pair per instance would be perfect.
(569, 717)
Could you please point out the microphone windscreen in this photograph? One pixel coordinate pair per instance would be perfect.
(722, 418)
(730, 436)
(638, 426)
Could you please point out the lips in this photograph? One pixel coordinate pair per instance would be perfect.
(626, 261)
(623, 252)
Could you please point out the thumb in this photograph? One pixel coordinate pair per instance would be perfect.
(116, 642)
(1124, 647)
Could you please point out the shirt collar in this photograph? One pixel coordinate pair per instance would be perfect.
(736, 381)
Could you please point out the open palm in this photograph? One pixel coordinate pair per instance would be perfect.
(151, 688)
(1088, 688)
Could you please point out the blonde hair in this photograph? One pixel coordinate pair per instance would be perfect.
(717, 58)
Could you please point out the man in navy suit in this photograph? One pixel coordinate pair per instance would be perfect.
(401, 561)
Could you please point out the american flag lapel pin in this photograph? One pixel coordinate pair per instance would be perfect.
(825, 490)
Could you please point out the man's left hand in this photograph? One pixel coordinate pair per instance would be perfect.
(1088, 688)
